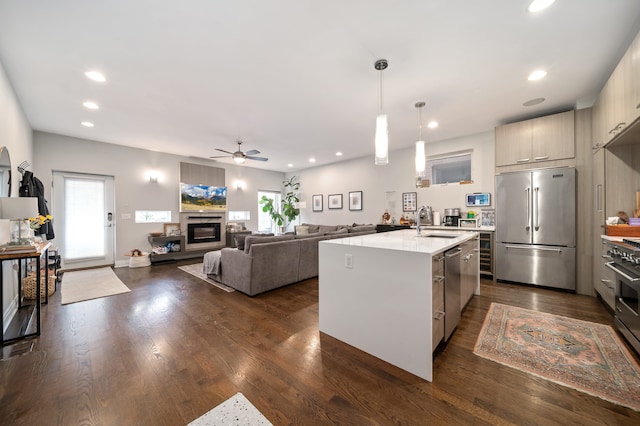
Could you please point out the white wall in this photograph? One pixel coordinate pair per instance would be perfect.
(133, 191)
(15, 135)
(383, 186)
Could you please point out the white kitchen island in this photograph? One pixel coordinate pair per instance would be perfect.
(375, 293)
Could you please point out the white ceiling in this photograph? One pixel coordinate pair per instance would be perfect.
(295, 78)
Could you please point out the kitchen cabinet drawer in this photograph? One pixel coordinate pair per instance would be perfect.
(437, 333)
(605, 284)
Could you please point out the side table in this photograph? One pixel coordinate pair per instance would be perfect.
(40, 255)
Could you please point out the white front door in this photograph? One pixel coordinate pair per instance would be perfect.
(83, 212)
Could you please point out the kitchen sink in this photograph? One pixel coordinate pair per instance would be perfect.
(439, 236)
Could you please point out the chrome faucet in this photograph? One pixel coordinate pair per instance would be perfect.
(418, 219)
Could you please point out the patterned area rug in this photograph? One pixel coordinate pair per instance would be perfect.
(196, 269)
(579, 354)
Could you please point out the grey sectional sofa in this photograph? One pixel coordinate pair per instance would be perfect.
(261, 263)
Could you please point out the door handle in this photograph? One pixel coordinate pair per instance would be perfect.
(557, 250)
(618, 271)
(458, 250)
(535, 206)
(528, 208)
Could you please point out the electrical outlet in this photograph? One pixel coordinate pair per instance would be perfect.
(348, 261)
(125, 216)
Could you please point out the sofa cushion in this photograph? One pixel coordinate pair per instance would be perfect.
(239, 239)
(323, 229)
(361, 228)
(260, 240)
(312, 228)
(317, 234)
(302, 229)
(337, 232)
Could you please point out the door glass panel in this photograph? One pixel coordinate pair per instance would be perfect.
(84, 219)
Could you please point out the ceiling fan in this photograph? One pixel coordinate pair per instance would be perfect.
(239, 156)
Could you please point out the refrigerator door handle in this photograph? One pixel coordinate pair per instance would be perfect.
(528, 209)
(555, 250)
(535, 206)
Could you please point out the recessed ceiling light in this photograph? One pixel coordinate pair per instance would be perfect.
(537, 75)
(312, 160)
(538, 5)
(533, 102)
(95, 76)
(432, 124)
(87, 124)
(338, 154)
(289, 165)
(91, 105)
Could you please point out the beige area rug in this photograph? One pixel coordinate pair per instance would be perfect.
(235, 411)
(90, 284)
(582, 355)
(196, 270)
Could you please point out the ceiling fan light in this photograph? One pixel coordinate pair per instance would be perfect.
(239, 160)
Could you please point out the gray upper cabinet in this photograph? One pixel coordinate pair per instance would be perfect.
(618, 104)
(535, 141)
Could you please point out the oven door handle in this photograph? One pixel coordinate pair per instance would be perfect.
(618, 271)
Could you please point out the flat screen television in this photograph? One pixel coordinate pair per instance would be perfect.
(202, 198)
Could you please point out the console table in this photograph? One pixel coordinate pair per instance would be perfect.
(23, 330)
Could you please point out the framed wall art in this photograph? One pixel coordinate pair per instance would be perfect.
(487, 217)
(317, 202)
(171, 229)
(409, 201)
(335, 201)
(355, 200)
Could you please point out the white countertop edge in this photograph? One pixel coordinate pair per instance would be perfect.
(407, 240)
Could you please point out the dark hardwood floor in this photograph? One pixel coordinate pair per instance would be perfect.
(175, 347)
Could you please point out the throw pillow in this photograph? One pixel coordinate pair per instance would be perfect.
(312, 228)
(239, 239)
(302, 230)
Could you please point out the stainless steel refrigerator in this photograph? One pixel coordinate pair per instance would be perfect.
(536, 227)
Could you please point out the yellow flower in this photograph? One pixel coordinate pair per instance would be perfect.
(37, 222)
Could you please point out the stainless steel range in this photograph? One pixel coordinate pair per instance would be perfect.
(625, 262)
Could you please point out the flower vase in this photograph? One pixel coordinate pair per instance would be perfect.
(21, 232)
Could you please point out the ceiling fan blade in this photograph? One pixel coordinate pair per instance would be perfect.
(222, 150)
(220, 156)
(252, 152)
(257, 158)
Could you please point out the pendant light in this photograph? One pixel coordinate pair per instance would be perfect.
(420, 152)
(382, 131)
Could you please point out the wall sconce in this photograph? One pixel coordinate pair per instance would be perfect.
(153, 177)
(240, 185)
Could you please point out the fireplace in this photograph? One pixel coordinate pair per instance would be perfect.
(203, 232)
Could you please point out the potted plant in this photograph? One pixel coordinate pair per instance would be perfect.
(288, 209)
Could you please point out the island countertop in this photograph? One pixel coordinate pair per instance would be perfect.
(430, 241)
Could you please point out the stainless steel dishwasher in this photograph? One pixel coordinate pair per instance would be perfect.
(451, 291)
